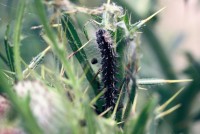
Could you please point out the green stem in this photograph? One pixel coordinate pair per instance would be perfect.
(55, 46)
(17, 33)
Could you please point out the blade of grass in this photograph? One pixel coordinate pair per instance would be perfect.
(17, 33)
(61, 53)
(104, 112)
(4, 59)
(116, 113)
(51, 40)
(9, 51)
(76, 44)
(93, 101)
(90, 119)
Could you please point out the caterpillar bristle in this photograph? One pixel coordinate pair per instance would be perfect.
(109, 68)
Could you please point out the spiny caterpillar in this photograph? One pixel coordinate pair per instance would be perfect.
(109, 69)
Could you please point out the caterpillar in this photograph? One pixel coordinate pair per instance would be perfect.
(109, 68)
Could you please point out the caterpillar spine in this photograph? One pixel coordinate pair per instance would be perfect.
(109, 68)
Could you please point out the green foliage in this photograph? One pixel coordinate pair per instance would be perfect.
(17, 33)
(75, 44)
(9, 51)
(71, 96)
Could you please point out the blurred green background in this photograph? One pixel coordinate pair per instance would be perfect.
(169, 49)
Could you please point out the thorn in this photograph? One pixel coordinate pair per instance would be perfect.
(79, 49)
(149, 18)
(160, 81)
(142, 88)
(163, 106)
(41, 26)
(104, 112)
(167, 112)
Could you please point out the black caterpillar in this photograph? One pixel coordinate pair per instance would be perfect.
(109, 68)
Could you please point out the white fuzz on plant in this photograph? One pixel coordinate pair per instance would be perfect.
(4, 106)
(46, 105)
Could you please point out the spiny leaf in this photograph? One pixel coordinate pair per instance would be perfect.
(155, 43)
(121, 45)
(76, 44)
(127, 20)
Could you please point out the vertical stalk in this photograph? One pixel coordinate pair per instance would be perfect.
(17, 33)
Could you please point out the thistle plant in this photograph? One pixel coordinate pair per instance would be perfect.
(82, 97)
